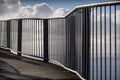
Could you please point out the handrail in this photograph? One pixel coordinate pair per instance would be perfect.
(93, 5)
(73, 10)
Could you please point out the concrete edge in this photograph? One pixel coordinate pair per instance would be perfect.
(73, 71)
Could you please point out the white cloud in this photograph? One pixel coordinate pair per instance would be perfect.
(60, 12)
(43, 10)
(38, 10)
(9, 8)
(25, 11)
(117, 18)
(13, 9)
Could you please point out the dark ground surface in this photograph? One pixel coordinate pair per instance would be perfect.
(13, 67)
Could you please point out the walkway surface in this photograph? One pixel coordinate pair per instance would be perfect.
(14, 67)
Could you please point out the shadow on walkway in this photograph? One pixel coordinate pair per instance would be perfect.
(9, 72)
(13, 67)
(12, 56)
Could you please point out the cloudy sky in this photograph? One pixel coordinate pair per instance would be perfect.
(38, 8)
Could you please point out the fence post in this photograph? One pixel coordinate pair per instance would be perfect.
(86, 44)
(72, 42)
(45, 33)
(8, 34)
(19, 47)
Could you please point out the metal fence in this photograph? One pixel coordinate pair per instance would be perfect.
(85, 40)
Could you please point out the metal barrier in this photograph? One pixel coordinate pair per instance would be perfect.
(85, 40)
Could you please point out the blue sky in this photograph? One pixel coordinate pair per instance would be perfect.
(68, 4)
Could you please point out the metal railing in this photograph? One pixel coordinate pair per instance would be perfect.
(85, 40)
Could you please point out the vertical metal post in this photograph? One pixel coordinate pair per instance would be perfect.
(66, 31)
(72, 43)
(86, 44)
(83, 43)
(8, 33)
(93, 47)
(45, 33)
(101, 43)
(19, 48)
(115, 43)
(96, 43)
(110, 42)
(105, 42)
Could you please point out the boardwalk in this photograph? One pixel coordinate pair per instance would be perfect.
(22, 68)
